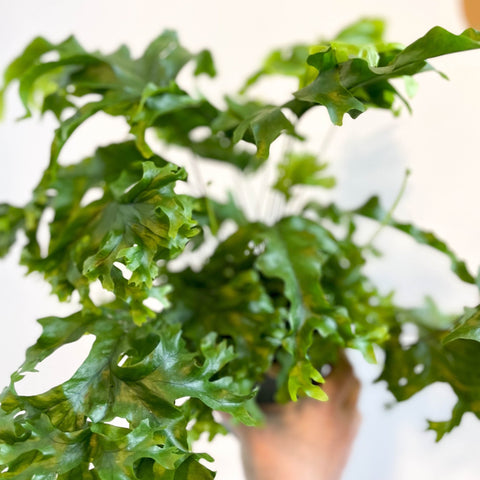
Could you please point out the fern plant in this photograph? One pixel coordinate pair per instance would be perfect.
(285, 295)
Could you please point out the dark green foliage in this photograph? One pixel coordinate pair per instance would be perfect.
(439, 355)
(67, 428)
(278, 297)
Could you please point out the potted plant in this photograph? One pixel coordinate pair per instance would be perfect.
(270, 304)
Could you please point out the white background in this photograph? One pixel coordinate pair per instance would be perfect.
(439, 142)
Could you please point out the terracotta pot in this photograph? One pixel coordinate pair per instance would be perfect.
(308, 440)
(472, 12)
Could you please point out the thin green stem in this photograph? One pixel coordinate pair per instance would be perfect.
(240, 194)
(388, 216)
(279, 204)
(327, 139)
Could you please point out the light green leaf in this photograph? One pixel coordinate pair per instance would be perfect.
(300, 380)
(351, 84)
(301, 169)
(363, 32)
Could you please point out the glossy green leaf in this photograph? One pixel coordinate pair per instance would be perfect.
(349, 84)
(277, 299)
(302, 378)
(298, 251)
(123, 83)
(258, 124)
(294, 252)
(437, 356)
(327, 90)
(130, 373)
(138, 221)
(228, 296)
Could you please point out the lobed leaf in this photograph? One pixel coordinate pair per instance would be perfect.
(279, 295)
(348, 83)
(141, 89)
(283, 298)
(255, 123)
(138, 221)
(132, 373)
(438, 356)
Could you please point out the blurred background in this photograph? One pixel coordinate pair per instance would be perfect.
(439, 143)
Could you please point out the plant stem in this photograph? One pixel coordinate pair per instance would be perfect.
(278, 202)
(241, 196)
(388, 216)
(327, 139)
